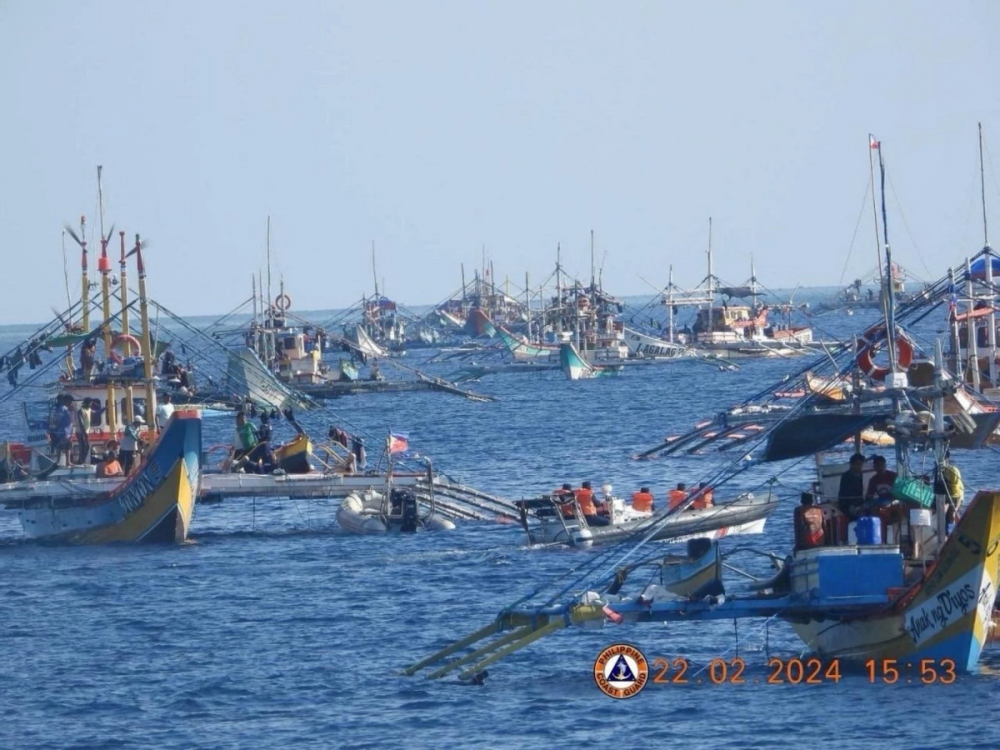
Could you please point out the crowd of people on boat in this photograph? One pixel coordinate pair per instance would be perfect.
(597, 510)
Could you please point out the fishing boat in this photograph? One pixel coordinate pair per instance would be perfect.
(154, 504)
(554, 519)
(523, 350)
(577, 368)
(643, 345)
(896, 580)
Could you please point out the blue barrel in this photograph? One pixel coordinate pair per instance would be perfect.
(869, 530)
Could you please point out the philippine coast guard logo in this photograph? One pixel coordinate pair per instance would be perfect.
(621, 671)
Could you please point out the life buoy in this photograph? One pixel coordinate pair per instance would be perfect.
(283, 302)
(119, 341)
(869, 344)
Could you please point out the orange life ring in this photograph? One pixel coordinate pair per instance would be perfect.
(120, 340)
(869, 344)
(283, 302)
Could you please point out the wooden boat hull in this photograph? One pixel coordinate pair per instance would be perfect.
(522, 351)
(683, 577)
(477, 323)
(947, 615)
(577, 368)
(293, 457)
(641, 345)
(155, 504)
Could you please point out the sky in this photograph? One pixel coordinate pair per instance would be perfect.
(438, 129)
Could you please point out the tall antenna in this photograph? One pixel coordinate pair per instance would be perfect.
(982, 189)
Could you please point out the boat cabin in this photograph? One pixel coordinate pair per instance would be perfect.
(299, 359)
(729, 323)
(886, 549)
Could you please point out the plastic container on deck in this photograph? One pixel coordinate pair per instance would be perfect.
(869, 530)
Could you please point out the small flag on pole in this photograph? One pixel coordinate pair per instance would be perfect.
(398, 443)
(872, 143)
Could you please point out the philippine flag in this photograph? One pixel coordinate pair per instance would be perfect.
(398, 443)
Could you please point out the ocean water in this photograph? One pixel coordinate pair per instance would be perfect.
(270, 628)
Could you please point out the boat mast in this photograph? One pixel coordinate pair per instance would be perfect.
(970, 325)
(85, 290)
(147, 349)
(559, 320)
(988, 270)
(592, 272)
(670, 304)
(711, 288)
(126, 334)
(527, 302)
(270, 310)
(253, 295)
(374, 272)
(104, 266)
(889, 309)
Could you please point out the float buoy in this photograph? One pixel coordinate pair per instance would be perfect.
(119, 341)
(869, 343)
(283, 302)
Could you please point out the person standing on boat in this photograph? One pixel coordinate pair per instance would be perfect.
(643, 501)
(164, 410)
(130, 444)
(358, 448)
(585, 499)
(851, 497)
(87, 352)
(950, 484)
(83, 431)
(64, 429)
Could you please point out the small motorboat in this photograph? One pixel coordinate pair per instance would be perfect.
(373, 512)
(545, 521)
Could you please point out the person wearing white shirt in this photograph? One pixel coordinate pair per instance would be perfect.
(163, 412)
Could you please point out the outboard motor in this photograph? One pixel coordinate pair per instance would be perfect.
(407, 501)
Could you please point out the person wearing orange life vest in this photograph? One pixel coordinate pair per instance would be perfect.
(809, 530)
(677, 496)
(566, 493)
(703, 497)
(585, 499)
(643, 500)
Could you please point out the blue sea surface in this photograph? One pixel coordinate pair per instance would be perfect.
(273, 629)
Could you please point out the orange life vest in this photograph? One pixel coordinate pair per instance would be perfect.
(704, 499)
(808, 526)
(585, 499)
(567, 507)
(676, 497)
(642, 501)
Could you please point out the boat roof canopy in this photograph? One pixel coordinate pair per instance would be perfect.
(814, 433)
